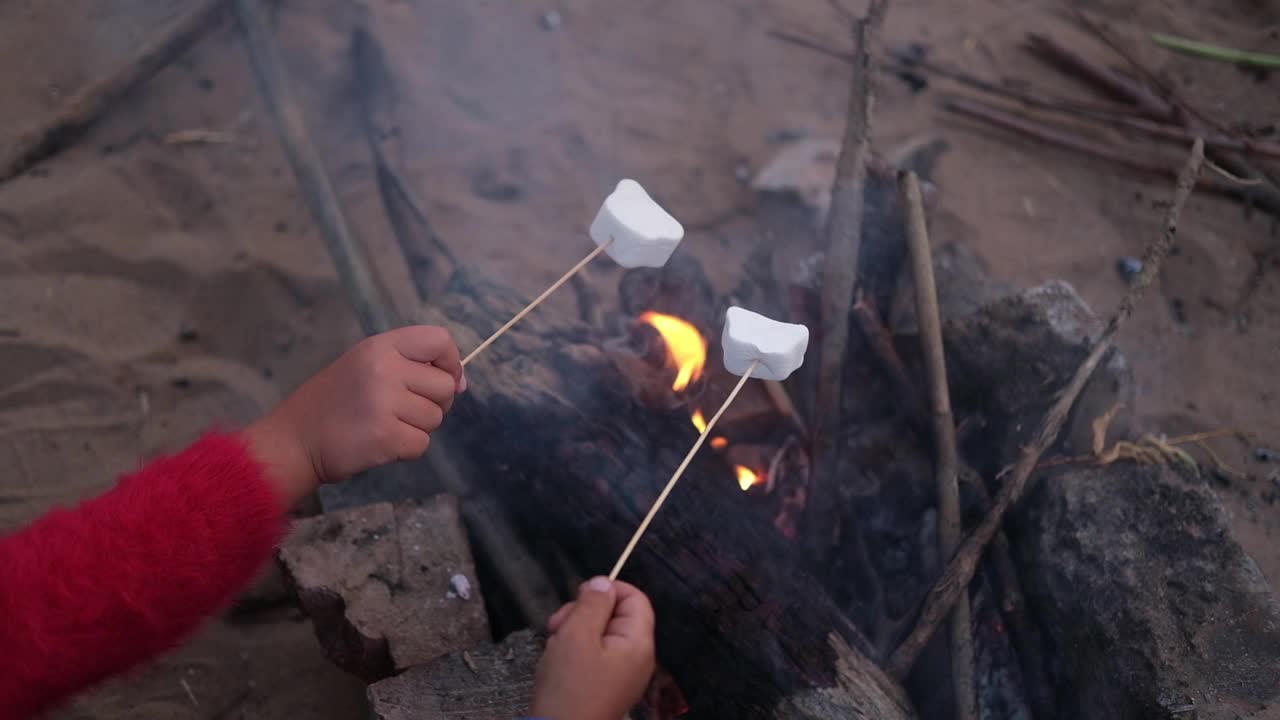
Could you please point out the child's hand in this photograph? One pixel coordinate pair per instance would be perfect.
(377, 403)
(600, 656)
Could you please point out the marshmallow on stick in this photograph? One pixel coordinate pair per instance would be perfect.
(633, 229)
(754, 346)
(751, 338)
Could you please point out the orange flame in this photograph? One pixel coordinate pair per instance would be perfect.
(746, 477)
(686, 349)
(700, 422)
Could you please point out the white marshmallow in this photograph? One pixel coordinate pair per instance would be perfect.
(751, 336)
(643, 234)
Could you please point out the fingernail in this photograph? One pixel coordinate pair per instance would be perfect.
(600, 584)
(462, 384)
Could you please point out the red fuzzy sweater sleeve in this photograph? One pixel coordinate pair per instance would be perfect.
(92, 591)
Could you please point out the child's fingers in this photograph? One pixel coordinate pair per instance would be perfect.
(632, 616)
(558, 617)
(429, 344)
(431, 383)
(420, 413)
(411, 443)
(591, 612)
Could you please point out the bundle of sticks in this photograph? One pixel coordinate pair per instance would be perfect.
(1135, 102)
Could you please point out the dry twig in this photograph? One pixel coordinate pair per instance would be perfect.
(523, 577)
(88, 104)
(947, 458)
(1167, 106)
(1065, 139)
(844, 237)
(1119, 87)
(1013, 601)
(881, 344)
(955, 580)
(348, 252)
(1107, 114)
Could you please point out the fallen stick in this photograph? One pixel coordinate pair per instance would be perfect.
(418, 241)
(1100, 113)
(840, 274)
(675, 477)
(1072, 108)
(1119, 87)
(1185, 135)
(88, 104)
(1013, 600)
(349, 254)
(947, 458)
(877, 336)
(1091, 148)
(1168, 107)
(955, 579)
(523, 578)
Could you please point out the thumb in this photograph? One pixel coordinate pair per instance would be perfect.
(593, 610)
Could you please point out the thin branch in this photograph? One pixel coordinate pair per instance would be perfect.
(955, 580)
(880, 341)
(495, 539)
(1013, 601)
(947, 458)
(349, 254)
(1064, 139)
(91, 102)
(1109, 114)
(1118, 86)
(1266, 196)
(417, 240)
(844, 238)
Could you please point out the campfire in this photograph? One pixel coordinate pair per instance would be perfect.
(686, 354)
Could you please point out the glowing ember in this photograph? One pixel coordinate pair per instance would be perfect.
(700, 422)
(686, 349)
(746, 477)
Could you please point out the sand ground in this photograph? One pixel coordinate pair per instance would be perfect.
(149, 289)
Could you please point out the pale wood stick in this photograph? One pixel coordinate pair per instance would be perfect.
(961, 567)
(537, 301)
(657, 504)
(947, 458)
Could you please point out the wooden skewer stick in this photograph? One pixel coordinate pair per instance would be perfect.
(537, 301)
(657, 504)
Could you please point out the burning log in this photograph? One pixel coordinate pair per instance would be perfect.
(555, 424)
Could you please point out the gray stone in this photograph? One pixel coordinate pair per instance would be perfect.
(487, 682)
(379, 583)
(1008, 360)
(1154, 608)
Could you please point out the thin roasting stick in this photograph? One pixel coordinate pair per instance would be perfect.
(657, 504)
(537, 301)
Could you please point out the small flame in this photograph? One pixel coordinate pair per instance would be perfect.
(686, 349)
(700, 422)
(746, 477)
